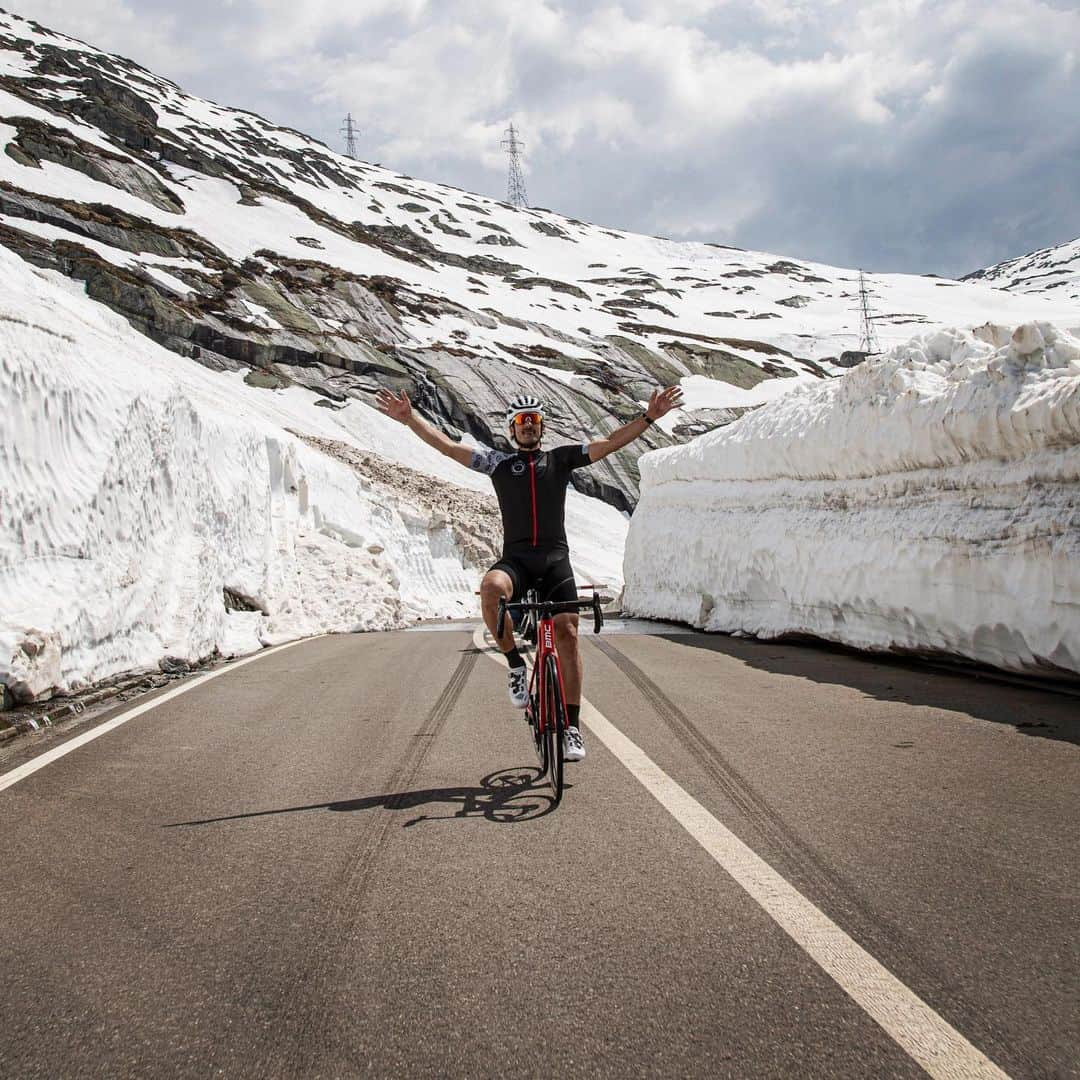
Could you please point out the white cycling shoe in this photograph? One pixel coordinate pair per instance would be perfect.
(517, 682)
(573, 746)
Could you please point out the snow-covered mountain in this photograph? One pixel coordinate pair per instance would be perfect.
(1053, 272)
(253, 247)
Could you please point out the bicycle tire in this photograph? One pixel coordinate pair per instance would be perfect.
(532, 714)
(555, 725)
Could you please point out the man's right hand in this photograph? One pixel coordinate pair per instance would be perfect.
(397, 408)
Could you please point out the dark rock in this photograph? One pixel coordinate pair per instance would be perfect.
(555, 286)
(448, 229)
(119, 111)
(174, 665)
(627, 304)
(267, 380)
(399, 190)
(235, 601)
(14, 151)
(852, 358)
(504, 241)
(551, 230)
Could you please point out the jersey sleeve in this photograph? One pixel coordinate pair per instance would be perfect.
(572, 457)
(487, 461)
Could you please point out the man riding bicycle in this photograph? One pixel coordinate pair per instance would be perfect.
(531, 487)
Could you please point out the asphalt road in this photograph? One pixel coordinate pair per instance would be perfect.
(333, 862)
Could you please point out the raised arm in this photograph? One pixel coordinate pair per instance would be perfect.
(399, 408)
(660, 403)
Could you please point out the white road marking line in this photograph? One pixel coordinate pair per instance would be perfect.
(927, 1038)
(31, 767)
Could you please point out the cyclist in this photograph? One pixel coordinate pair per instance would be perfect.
(531, 487)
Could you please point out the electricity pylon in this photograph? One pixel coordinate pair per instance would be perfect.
(350, 131)
(868, 342)
(515, 178)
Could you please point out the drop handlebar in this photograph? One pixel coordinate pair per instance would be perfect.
(547, 608)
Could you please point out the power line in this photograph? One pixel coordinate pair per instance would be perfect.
(515, 178)
(350, 131)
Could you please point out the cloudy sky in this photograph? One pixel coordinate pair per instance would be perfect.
(910, 135)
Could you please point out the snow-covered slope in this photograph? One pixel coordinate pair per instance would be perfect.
(154, 508)
(1052, 272)
(927, 501)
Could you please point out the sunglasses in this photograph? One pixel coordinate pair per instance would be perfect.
(527, 418)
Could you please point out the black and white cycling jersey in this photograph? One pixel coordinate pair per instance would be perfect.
(531, 487)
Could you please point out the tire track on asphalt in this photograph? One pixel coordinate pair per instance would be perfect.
(737, 789)
(820, 880)
(297, 1044)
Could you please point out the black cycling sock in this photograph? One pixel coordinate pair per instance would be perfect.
(513, 658)
(573, 714)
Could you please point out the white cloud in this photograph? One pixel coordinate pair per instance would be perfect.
(118, 27)
(903, 134)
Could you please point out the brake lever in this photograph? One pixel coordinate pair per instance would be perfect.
(598, 615)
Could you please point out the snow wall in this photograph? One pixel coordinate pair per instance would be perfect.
(136, 488)
(929, 500)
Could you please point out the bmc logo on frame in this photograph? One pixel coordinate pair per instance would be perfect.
(548, 643)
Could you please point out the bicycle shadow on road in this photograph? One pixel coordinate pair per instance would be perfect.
(505, 797)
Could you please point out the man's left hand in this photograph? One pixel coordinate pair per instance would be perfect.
(663, 401)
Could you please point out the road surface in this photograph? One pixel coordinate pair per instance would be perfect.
(334, 861)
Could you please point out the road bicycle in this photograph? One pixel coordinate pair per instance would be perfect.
(546, 708)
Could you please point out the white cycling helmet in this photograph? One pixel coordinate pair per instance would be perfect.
(523, 403)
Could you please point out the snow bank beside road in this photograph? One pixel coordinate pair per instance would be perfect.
(928, 500)
(135, 498)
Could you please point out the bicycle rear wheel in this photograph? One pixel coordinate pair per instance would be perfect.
(554, 726)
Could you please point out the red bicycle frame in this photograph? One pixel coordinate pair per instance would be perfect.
(545, 647)
(544, 698)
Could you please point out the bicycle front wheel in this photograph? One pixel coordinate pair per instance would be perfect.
(532, 715)
(554, 726)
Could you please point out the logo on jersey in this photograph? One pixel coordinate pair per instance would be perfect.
(518, 468)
